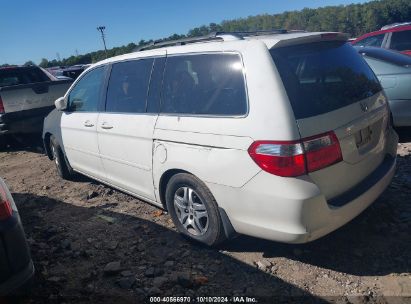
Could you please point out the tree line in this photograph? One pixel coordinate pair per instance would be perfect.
(354, 19)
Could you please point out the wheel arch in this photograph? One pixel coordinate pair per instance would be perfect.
(165, 178)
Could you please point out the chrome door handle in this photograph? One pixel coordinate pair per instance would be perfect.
(88, 124)
(106, 126)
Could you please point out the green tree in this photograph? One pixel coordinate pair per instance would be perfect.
(44, 63)
(27, 63)
(354, 19)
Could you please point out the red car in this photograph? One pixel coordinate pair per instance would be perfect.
(395, 36)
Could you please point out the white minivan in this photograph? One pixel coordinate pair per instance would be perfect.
(280, 135)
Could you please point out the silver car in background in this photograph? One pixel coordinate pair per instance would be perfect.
(393, 69)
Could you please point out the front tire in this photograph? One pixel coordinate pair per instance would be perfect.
(194, 210)
(59, 159)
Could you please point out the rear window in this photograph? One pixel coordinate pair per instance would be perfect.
(16, 76)
(324, 76)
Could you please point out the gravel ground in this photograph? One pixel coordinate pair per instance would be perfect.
(91, 243)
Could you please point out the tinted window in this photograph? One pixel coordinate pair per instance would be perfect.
(322, 77)
(156, 81)
(15, 76)
(401, 41)
(371, 41)
(36, 75)
(204, 84)
(86, 94)
(128, 86)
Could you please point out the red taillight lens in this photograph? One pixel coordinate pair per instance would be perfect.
(279, 158)
(322, 151)
(5, 206)
(1, 106)
(295, 158)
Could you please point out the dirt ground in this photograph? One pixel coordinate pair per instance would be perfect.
(91, 243)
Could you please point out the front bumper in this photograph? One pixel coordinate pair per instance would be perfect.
(17, 280)
(16, 266)
(15, 260)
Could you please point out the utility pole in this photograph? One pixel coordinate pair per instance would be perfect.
(101, 29)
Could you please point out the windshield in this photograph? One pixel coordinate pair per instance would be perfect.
(323, 76)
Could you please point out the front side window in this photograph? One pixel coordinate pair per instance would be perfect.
(401, 41)
(204, 84)
(128, 86)
(85, 95)
(371, 41)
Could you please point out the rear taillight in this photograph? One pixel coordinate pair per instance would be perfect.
(322, 151)
(279, 158)
(5, 207)
(295, 158)
(1, 106)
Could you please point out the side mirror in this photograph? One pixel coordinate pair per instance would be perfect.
(61, 104)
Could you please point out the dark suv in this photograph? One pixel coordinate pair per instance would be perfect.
(394, 36)
(16, 266)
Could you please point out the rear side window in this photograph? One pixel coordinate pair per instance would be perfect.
(371, 41)
(128, 86)
(204, 84)
(324, 76)
(401, 41)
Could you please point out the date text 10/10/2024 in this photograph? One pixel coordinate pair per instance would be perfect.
(204, 299)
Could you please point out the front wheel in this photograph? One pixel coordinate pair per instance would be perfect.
(63, 168)
(194, 210)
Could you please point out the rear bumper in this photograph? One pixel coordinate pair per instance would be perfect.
(15, 261)
(293, 210)
(27, 121)
(401, 112)
(17, 280)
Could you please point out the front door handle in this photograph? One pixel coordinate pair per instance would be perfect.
(106, 126)
(88, 124)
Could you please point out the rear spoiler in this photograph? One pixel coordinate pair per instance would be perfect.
(308, 38)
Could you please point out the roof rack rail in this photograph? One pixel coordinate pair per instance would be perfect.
(214, 36)
(161, 43)
(389, 26)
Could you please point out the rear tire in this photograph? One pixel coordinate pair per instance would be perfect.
(63, 169)
(194, 210)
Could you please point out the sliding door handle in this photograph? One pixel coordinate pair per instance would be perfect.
(106, 126)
